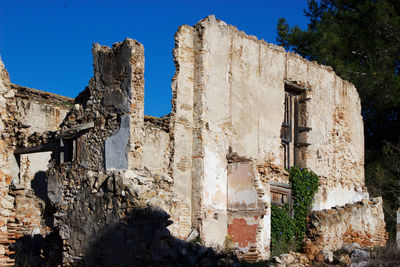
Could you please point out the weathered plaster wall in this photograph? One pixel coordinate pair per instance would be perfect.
(181, 126)
(32, 112)
(156, 148)
(231, 110)
(248, 209)
(361, 222)
(33, 169)
(336, 152)
(116, 147)
(239, 85)
(241, 193)
(158, 159)
(39, 110)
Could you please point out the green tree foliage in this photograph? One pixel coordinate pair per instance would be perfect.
(382, 179)
(360, 39)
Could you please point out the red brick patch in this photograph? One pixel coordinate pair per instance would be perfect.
(242, 233)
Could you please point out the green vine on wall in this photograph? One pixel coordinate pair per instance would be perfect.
(286, 232)
(304, 185)
(282, 230)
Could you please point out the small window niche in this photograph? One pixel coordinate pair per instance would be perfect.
(67, 150)
(281, 194)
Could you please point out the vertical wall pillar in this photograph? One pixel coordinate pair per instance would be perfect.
(119, 79)
(6, 200)
(136, 85)
(182, 130)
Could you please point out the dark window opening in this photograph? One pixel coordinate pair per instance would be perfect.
(293, 123)
(67, 150)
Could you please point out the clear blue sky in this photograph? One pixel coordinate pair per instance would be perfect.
(46, 44)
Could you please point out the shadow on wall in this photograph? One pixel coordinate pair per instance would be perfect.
(142, 239)
(39, 186)
(108, 229)
(38, 250)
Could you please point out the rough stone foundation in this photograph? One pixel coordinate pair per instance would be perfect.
(331, 229)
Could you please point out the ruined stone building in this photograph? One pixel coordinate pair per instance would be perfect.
(243, 110)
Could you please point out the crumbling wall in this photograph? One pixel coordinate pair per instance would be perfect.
(91, 202)
(158, 157)
(228, 99)
(121, 218)
(184, 156)
(103, 181)
(237, 106)
(6, 201)
(104, 153)
(100, 191)
(248, 209)
(114, 102)
(336, 152)
(40, 111)
(237, 97)
(36, 113)
(331, 229)
(156, 145)
(24, 111)
(31, 112)
(272, 172)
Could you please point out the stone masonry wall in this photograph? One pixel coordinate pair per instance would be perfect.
(6, 201)
(331, 229)
(157, 139)
(109, 218)
(229, 95)
(91, 202)
(99, 187)
(156, 145)
(97, 194)
(114, 102)
(103, 152)
(182, 129)
(24, 112)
